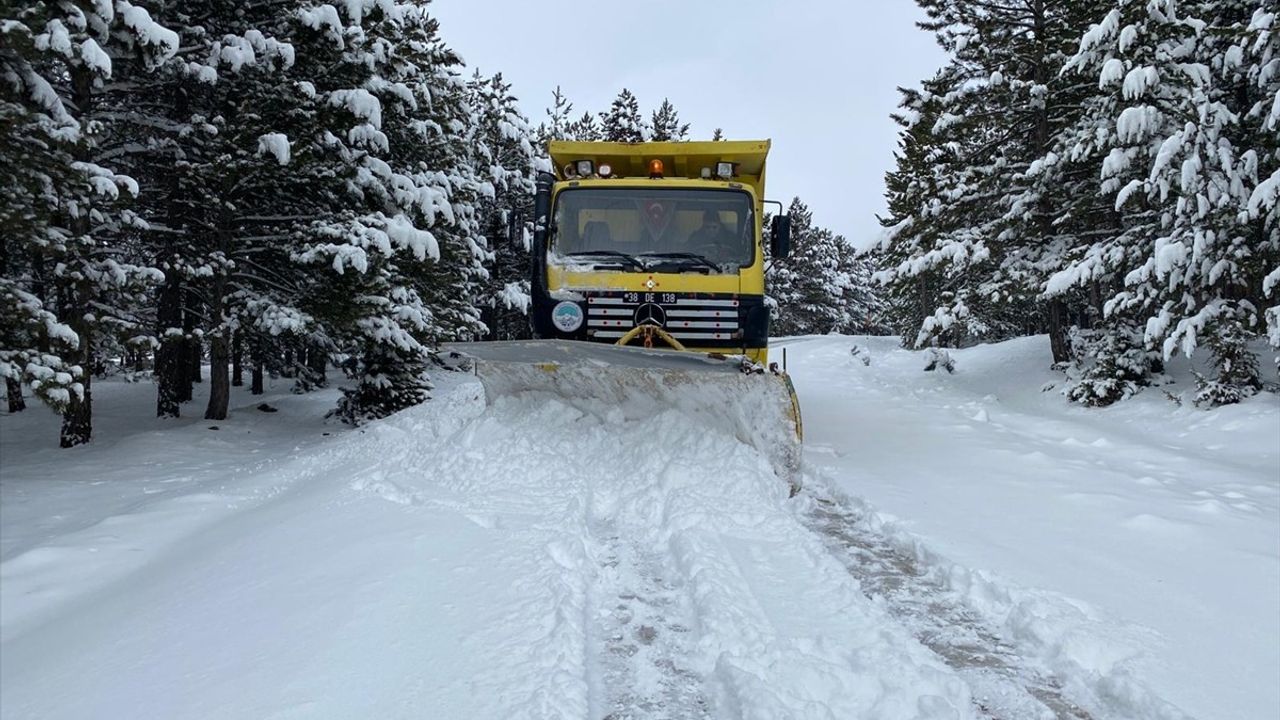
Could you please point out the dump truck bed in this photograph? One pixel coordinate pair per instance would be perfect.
(681, 159)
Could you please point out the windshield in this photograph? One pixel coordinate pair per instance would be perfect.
(703, 230)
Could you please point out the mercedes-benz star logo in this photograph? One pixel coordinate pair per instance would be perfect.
(651, 314)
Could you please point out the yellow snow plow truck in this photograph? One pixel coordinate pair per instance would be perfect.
(648, 289)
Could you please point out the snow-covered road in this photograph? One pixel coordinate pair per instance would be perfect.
(540, 559)
(524, 560)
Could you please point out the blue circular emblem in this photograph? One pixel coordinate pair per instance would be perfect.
(567, 316)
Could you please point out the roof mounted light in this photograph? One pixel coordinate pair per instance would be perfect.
(605, 170)
(724, 170)
(655, 168)
(569, 171)
(706, 173)
(586, 168)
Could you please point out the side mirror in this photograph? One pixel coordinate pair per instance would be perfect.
(780, 236)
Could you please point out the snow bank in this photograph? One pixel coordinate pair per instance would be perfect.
(1131, 551)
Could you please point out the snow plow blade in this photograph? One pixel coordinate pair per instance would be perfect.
(757, 406)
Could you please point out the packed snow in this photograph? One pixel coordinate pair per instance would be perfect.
(965, 546)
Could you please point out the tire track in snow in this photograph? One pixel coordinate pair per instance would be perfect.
(644, 626)
(643, 635)
(622, 622)
(712, 599)
(671, 576)
(1004, 687)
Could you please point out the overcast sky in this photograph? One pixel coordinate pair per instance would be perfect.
(816, 77)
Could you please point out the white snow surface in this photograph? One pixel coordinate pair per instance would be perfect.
(1139, 542)
(541, 558)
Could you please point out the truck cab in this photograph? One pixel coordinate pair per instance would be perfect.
(636, 241)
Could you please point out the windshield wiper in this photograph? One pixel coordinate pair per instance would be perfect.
(694, 258)
(627, 259)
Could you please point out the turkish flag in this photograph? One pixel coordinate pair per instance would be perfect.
(657, 216)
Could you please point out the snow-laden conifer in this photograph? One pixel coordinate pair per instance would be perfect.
(72, 271)
(823, 286)
(665, 123)
(1183, 164)
(623, 122)
(503, 150)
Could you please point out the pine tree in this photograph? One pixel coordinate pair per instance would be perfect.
(1183, 171)
(1262, 74)
(623, 123)
(862, 308)
(936, 260)
(666, 123)
(1115, 366)
(213, 134)
(1257, 42)
(992, 229)
(584, 128)
(502, 146)
(1111, 176)
(80, 280)
(911, 291)
(401, 258)
(37, 135)
(559, 120)
(823, 286)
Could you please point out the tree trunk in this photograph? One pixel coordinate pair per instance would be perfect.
(237, 360)
(256, 378)
(1059, 343)
(183, 358)
(77, 418)
(13, 386)
(172, 386)
(169, 364)
(219, 377)
(220, 336)
(1059, 320)
(288, 370)
(317, 363)
(182, 363)
(219, 353)
(1095, 305)
(16, 402)
(194, 347)
(197, 360)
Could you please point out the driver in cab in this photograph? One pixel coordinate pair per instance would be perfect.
(713, 240)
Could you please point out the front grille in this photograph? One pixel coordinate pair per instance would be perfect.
(697, 320)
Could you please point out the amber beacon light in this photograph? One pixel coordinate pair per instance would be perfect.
(655, 168)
